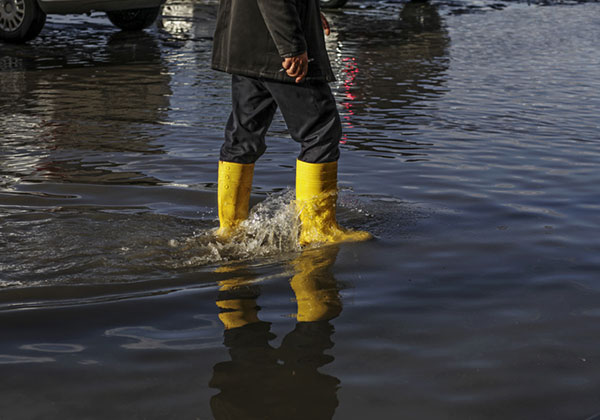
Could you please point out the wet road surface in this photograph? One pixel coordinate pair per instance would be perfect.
(470, 151)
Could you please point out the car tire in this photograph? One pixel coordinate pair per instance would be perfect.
(20, 20)
(134, 19)
(333, 3)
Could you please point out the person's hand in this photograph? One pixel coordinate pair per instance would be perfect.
(325, 23)
(296, 66)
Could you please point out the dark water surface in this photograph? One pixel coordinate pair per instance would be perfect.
(471, 151)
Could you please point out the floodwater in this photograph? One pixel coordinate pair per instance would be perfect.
(471, 151)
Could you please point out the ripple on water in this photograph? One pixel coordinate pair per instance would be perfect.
(54, 348)
(78, 244)
(149, 338)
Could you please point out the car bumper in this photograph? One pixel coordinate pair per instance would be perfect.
(84, 6)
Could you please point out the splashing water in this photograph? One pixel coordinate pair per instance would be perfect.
(271, 228)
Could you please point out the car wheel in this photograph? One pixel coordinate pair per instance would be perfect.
(133, 19)
(20, 20)
(333, 3)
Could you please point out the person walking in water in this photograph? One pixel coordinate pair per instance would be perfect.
(275, 51)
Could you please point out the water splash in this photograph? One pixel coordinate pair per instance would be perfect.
(271, 228)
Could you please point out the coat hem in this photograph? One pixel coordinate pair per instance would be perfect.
(279, 76)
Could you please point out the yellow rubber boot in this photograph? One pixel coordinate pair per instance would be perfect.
(316, 197)
(316, 290)
(235, 183)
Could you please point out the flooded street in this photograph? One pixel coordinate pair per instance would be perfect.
(470, 150)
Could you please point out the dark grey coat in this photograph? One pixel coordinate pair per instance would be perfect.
(253, 36)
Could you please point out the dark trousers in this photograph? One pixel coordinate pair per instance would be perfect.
(309, 111)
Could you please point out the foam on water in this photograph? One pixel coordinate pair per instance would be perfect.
(271, 228)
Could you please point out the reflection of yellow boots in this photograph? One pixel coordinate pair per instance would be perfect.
(237, 310)
(316, 291)
(235, 183)
(316, 197)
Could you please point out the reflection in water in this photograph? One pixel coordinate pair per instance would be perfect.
(54, 116)
(88, 113)
(263, 382)
(188, 20)
(390, 70)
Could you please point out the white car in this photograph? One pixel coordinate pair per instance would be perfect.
(23, 20)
